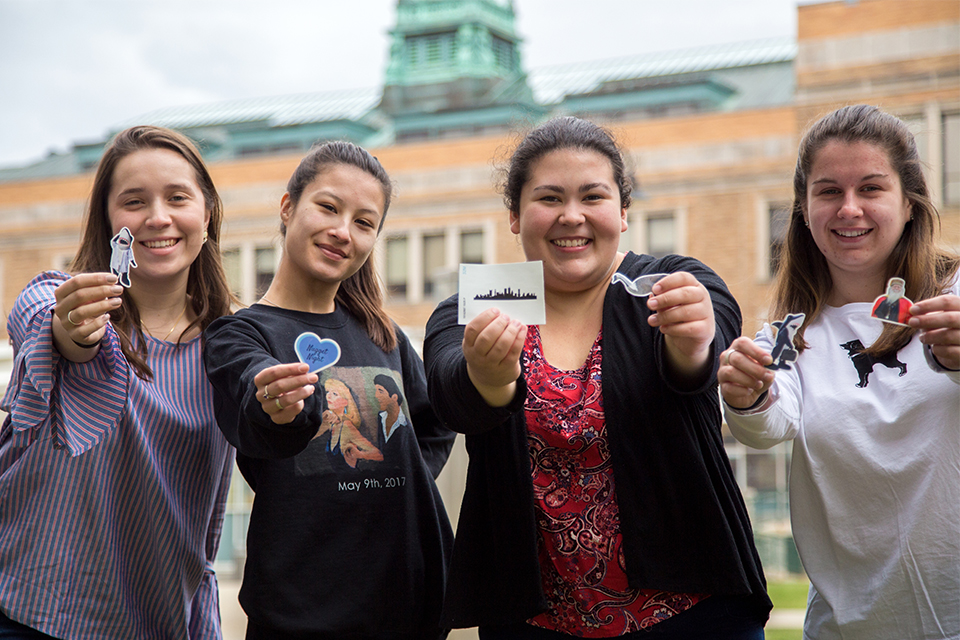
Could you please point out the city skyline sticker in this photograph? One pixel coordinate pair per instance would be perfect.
(516, 289)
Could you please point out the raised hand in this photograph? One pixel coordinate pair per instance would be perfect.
(81, 313)
(282, 389)
(742, 375)
(939, 321)
(683, 311)
(492, 343)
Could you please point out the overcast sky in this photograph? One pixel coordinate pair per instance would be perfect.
(70, 70)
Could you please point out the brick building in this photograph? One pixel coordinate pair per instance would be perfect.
(711, 134)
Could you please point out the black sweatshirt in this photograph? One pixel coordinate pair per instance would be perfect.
(334, 551)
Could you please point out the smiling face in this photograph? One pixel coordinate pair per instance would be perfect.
(332, 230)
(154, 193)
(570, 217)
(856, 210)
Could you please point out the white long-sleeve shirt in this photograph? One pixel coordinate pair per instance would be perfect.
(874, 482)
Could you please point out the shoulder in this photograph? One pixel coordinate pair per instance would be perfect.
(44, 282)
(635, 265)
(246, 320)
(444, 315)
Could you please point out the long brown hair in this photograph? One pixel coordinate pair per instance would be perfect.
(207, 286)
(804, 282)
(360, 294)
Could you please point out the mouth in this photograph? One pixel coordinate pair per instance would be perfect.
(579, 242)
(851, 233)
(326, 248)
(160, 244)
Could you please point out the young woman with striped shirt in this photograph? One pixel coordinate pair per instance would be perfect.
(113, 474)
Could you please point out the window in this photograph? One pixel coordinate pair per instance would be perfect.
(233, 269)
(433, 49)
(503, 53)
(779, 219)
(661, 234)
(266, 267)
(396, 266)
(434, 260)
(951, 159)
(471, 247)
(418, 266)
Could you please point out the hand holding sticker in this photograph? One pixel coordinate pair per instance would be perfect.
(893, 307)
(121, 256)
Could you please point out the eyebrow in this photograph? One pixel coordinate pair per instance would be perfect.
(588, 186)
(866, 177)
(166, 187)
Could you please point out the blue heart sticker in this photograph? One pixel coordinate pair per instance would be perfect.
(317, 353)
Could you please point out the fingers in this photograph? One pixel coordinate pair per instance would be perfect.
(493, 338)
(941, 312)
(84, 303)
(678, 300)
(939, 322)
(282, 389)
(742, 375)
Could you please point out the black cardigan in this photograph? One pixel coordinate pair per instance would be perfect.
(685, 526)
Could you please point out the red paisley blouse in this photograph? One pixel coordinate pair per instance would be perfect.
(579, 541)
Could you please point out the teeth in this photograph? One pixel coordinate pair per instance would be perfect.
(852, 233)
(571, 243)
(159, 244)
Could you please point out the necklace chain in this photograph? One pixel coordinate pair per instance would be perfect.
(269, 301)
(175, 323)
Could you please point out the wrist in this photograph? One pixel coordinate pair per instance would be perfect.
(87, 346)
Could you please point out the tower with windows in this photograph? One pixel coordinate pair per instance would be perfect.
(455, 70)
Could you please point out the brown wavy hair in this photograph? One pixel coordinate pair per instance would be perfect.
(563, 132)
(207, 286)
(360, 294)
(804, 282)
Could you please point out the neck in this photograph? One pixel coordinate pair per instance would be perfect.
(293, 291)
(165, 316)
(159, 304)
(393, 412)
(575, 306)
(848, 289)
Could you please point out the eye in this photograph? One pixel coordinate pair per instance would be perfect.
(363, 222)
(549, 198)
(328, 207)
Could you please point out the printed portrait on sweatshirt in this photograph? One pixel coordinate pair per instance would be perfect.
(363, 409)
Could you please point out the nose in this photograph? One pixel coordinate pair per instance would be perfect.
(339, 229)
(571, 214)
(158, 216)
(851, 207)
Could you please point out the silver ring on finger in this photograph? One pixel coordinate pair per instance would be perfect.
(70, 320)
(729, 353)
(279, 406)
(266, 394)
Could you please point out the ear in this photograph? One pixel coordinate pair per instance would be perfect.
(286, 208)
(515, 222)
(623, 220)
